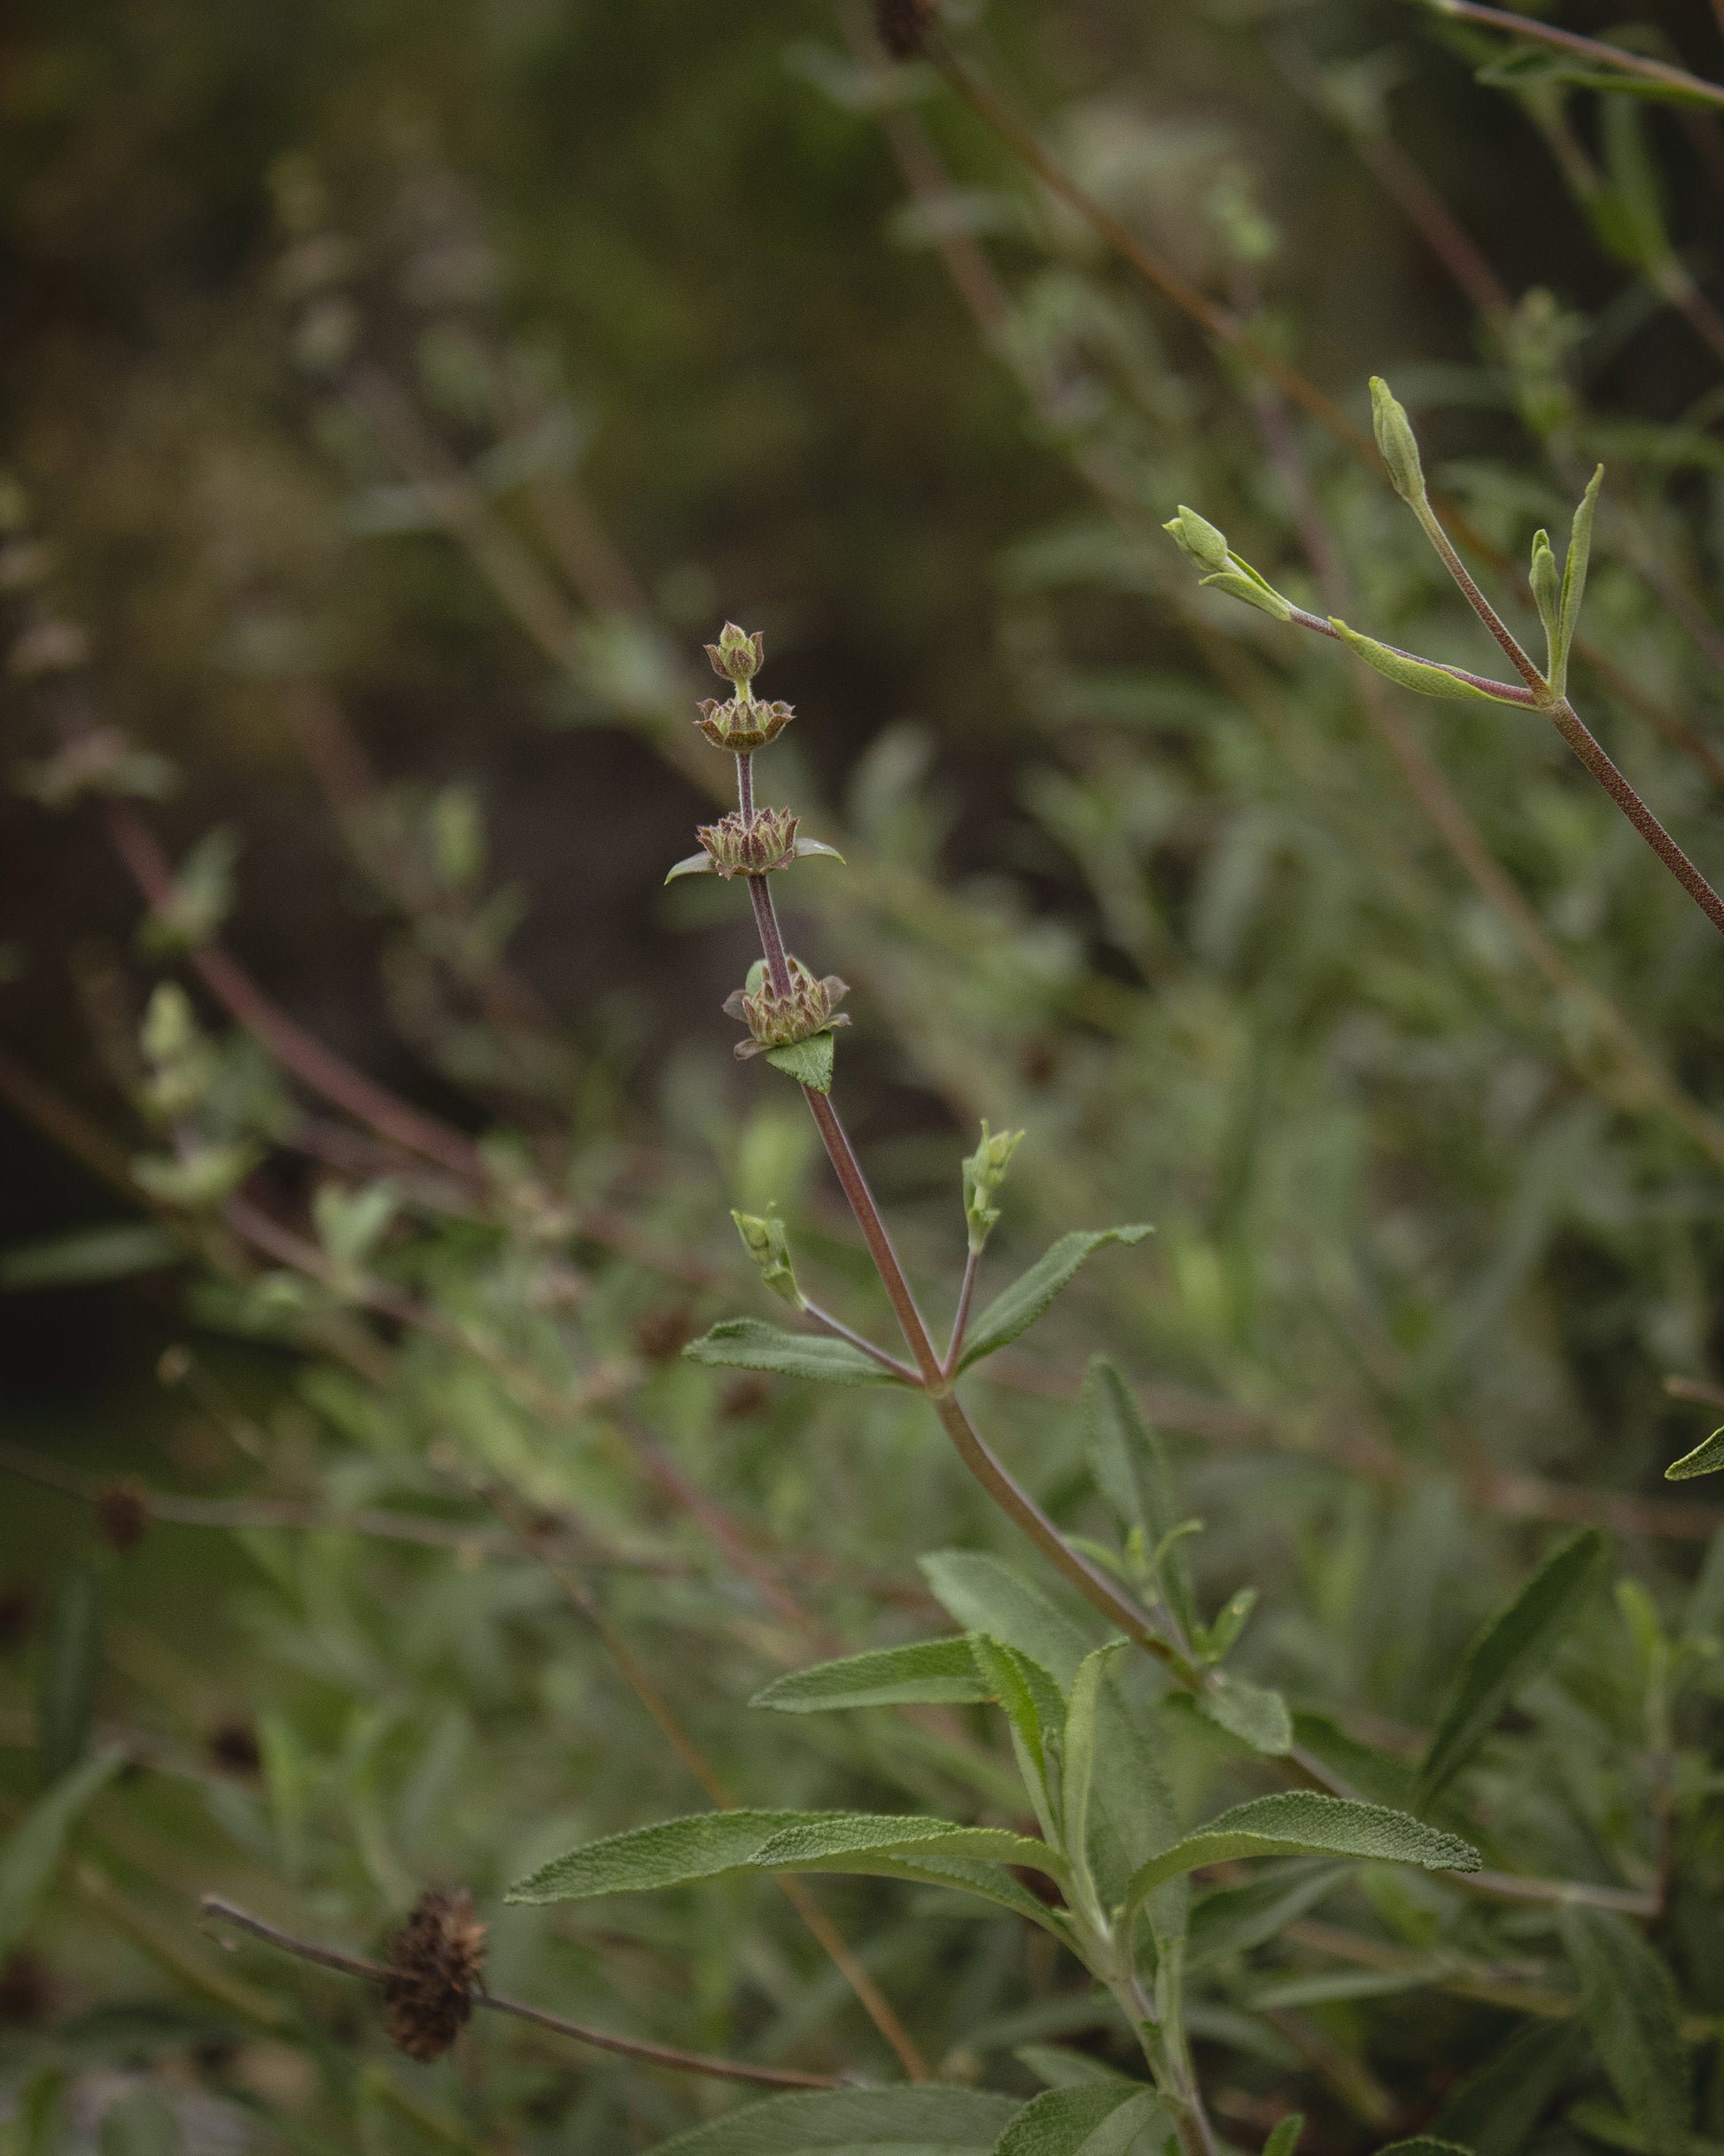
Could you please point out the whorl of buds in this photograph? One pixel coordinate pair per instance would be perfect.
(777, 1021)
(737, 655)
(434, 1963)
(903, 26)
(743, 724)
(1396, 442)
(750, 845)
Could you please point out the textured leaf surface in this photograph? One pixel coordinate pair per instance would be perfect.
(1706, 1458)
(928, 1673)
(748, 1343)
(33, 1851)
(1508, 1654)
(983, 1595)
(1300, 1823)
(1255, 1716)
(1633, 2011)
(675, 1852)
(1102, 2118)
(1023, 1301)
(808, 1061)
(926, 2122)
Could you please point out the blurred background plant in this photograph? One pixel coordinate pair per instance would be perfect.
(393, 404)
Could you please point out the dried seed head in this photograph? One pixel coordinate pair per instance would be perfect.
(903, 26)
(742, 723)
(778, 1022)
(122, 1514)
(750, 845)
(434, 1962)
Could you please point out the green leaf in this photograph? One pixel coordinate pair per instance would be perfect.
(1284, 2139)
(1131, 1810)
(1255, 1716)
(925, 2122)
(65, 1695)
(1706, 1458)
(1103, 2119)
(1634, 2013)
(1419, 674)
(808, 1061)
(1060, 2068)
(1035, 1711)
(749, 1343)
(983, 1595)
(929, 1673)
(111, 1253)
(1376, 1775)
(1497, 2107)
(32, 1851)
(1234, 1920)
(1131, 1471)
(673, 1852)
(1574, 576)
(1078, 1753)
(1300, 1823)
(1507, 1654)
(1023, 1301)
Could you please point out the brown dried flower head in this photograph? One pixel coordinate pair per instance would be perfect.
(434, 1962)
(122, 1514)
(743, 723)
(750, 845)
(779, 1021)
(903, 26)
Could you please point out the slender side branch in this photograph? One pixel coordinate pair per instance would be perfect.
(598, 2039)
(1661, 71)
(837, 1326)
(1592, 753)
(960, 1321)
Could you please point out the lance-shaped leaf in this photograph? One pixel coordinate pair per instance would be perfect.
(1255, 1715)
(929, 1673)
(1103, 2118)
(31, 1853)
(1633, 2012)
(1706, 1458)
(1234, 1920)
(1420, 675)
(1300, 1823)
(908, 2121)
(1507, 1654)
(675, 1852)
(983, 1595)
(1574, 576)
(1283, 2137)
(1034, 1714)
(1028, 1295)
(1131, 1472)
(748, 1343)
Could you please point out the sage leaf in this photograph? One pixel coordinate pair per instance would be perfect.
(1507, 1654)
(1131, 1471)
(1255, 1716)
(808, 1061)
(114, 1252)
(831, 1842)
(1707, 1457)
(1301, 1823)
(32, 1851)
(1023, 1301)
(1632, 2009)
(929, 1673)
(983, 1595)
(1419, 674)
(1101, 2119)
(749, 1343)
(908, 2121)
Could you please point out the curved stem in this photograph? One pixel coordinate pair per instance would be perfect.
(1592, 753)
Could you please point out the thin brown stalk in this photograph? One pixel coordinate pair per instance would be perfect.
(1593, 49)
(1592, 754)
(215, 1906)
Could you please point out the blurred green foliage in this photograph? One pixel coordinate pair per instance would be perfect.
(394, 402)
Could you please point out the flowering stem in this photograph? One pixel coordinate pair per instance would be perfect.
(972, 1264)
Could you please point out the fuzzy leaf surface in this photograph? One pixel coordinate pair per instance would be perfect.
(749, 1343)
(1632, 2008)
(1707, 1457)
(1508, 1654)
(928, 1673)
(808, 1061)
(1301, 1823)
(1101, 2119)
(920, 2121)
(1023, 1301)
(1131, 1472)
(1251, 1712)
(983, 1595)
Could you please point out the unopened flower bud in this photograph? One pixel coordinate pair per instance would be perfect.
(766, 1243)
(742, 725)
(1396, 442)
(738, 656)
(1198, 540)
(750, 845)
(777, 1021)
(1546, 583)
(983, 1173)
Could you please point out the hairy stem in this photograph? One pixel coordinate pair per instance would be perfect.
(1591, 752)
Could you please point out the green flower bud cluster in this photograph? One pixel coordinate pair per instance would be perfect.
(766, 1243)
(776, 1021)
(742, 725)
(1396, 442)
(983, 1173)
(754, 845)
(1200, 542)
(737, 655)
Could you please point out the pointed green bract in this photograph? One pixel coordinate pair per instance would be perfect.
(1023, 1301)
(1706, 1458)
(1507, 1654)
(1300, 1823)
(1240, 580)
(909, 2122)
(983, 1594)
(747, 1343)
(930, 1673)
(1419, 674)
(1575, 579)
(1547, 596)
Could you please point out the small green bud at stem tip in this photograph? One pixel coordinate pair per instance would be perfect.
(1198, 538)
(1396, 442)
